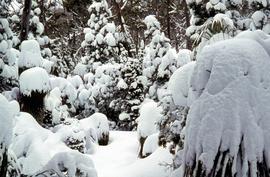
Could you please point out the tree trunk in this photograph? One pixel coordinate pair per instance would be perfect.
(25, 20)
(187, 16)
(122, 28)
(42, 15)
(119, 15)
(168, 19)
(4, 164)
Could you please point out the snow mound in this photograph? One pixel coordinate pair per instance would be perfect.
(230, 118)
(34, 80)
(179, 85)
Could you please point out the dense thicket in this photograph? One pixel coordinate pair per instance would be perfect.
(125, 65)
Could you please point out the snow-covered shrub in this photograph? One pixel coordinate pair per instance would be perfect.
(175, 105)
(71, 163)
(41, 152)
(8, 161)
(71, 97)
(8, 56)
(150, 115)
(150, 145)
(56, 112)
(180, 87)
(216, 28)
(34, 85)
(259, 15)
(34, 80)
(99, 123)
(6, 118)
(130, 94)
(105, 88)
(184, 56)
(72, 135)
(227, 131)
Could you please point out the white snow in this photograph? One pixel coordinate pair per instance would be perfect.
(231, 80)
(6, 118)
(110, 40)
(151, 23)
(34, 79)
(150, 144)
(259, 19)
(38, 149)
(98, 122)
(179, 85)
(184, 57)
(30, 54)
(150, 115)
(80, 69)
(122, 84)
(120, 158)
(124, 116)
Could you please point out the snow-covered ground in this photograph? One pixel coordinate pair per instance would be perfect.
(120, 158)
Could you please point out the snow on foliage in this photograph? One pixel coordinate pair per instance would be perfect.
(160, 59)
(6, 117)
(30, 54)
(227, 130)
(53, 103)
(152, 25)
(8, 161)
(150, 144)
(179, 85)
(39, 151)
(8, 55)
(100, 37)
(150, 114)
(184, 56)
(99, 123)
(34, 80)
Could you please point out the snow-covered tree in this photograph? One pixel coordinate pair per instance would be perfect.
(211, 18)
(35, 32)
(131, 92)
(160, 59)
(8, 55)
(100, 43)
(176, 106)
(226, 131)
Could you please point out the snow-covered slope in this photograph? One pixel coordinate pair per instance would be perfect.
(120, 158)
